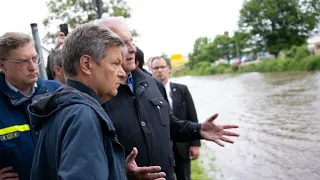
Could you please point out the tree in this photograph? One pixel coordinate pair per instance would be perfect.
(75, 12)
(242, 40)
(223, 46)
(198, 53)
(226, 45)
(277, 25)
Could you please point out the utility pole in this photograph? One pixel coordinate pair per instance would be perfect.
(98, 4)
(35, 34)
(238, 55)
(237, 49)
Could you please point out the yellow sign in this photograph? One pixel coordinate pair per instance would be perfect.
(177, 60)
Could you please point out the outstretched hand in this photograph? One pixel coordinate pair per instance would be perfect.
(142, 173)
(215, 132)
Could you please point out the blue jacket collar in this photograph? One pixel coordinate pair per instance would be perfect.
(12, 94)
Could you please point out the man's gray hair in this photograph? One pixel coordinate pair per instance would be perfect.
(88, 39)
(55, 59)
(111, 21)
(12, 40)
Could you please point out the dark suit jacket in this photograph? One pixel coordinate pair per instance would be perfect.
(143, 119)
(183, 108)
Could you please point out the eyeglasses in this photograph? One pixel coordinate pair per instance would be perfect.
(25, 62)
(159, 67)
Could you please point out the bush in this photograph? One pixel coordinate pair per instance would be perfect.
(302, 53)
(249, 68)
(310, 63)
(276, 65)
(235, 68)
(298, 52)
(204, 68)
(220, 69)
(288, 64)
(266, 65)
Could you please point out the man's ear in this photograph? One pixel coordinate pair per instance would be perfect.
(86, 64)
(2, 66)
(57, 70)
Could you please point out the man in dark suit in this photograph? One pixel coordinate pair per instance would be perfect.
(183, 107)
(142, 116)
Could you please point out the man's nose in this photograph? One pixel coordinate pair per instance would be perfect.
(160, 69)
(131, 48)
(32, 66)
(121, 72)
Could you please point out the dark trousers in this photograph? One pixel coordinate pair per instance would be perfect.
(182, 168)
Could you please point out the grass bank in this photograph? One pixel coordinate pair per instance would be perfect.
(205, 168)
(308, 63)
(197, 171)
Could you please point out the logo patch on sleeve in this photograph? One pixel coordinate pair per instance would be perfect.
(9, 136)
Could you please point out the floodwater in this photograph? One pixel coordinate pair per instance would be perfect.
(279, 118)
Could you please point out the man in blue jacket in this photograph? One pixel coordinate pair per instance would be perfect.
(19, 85)
(77, 138)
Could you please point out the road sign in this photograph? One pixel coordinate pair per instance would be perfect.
(177, 60)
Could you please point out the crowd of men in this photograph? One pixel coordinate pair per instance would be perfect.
(102, 116)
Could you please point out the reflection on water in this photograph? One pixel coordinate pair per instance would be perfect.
(279, 115)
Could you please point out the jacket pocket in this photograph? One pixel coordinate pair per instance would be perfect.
(9, 150)
(162, 109)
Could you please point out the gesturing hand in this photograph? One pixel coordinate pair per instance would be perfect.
(142, 173)
(6, 174)
(214, 132)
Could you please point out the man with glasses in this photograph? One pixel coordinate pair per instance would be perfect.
(182, 106)
(19, 85)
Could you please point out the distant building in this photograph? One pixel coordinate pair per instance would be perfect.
(314, 44)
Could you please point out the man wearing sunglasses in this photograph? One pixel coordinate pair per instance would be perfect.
(19, 85)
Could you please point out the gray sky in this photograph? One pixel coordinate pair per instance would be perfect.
(169, 26)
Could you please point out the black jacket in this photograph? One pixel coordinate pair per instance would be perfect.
(183, 108)
(144, 120)
(77, 138)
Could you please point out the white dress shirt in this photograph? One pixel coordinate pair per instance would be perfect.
(168, 91)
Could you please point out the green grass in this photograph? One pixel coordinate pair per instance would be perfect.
(308, 63)
(197, 171)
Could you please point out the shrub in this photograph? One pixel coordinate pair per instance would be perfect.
(310, 63)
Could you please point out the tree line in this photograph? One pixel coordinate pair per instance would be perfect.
(264, 26)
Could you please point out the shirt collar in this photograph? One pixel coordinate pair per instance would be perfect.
(11, 87)
(167, 85)
(130, 82)
(84, 89)
(130, 78)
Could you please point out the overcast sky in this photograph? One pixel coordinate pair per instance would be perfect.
(169, 26)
